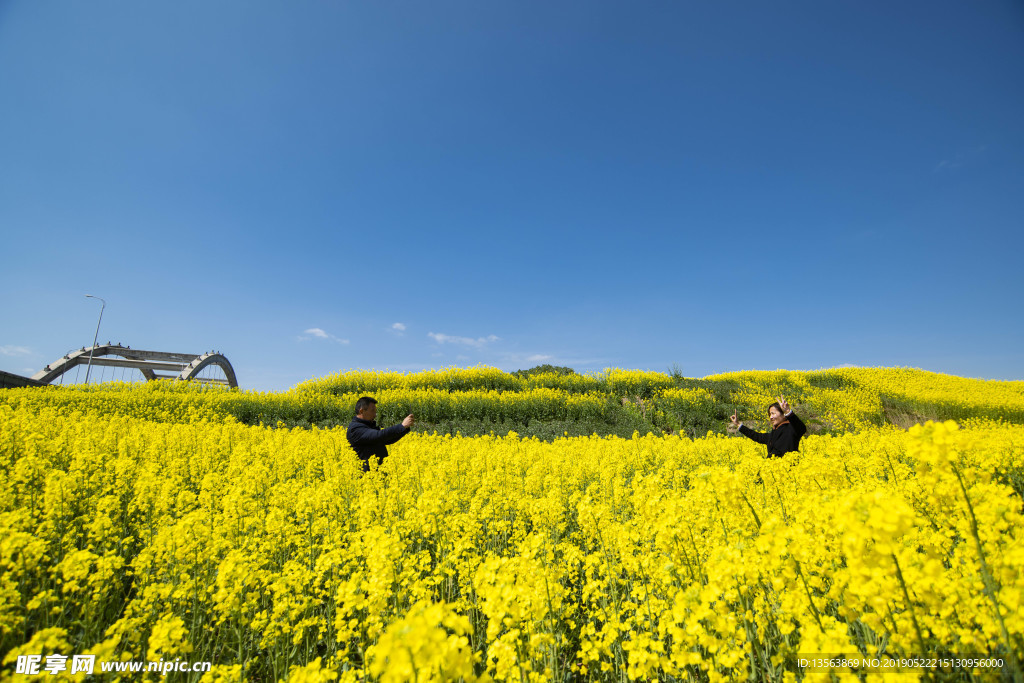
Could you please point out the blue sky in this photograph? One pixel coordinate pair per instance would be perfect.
(316, 186)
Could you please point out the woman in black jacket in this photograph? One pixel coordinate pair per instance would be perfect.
(787, 429)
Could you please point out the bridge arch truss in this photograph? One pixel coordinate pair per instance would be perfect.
(152, 364)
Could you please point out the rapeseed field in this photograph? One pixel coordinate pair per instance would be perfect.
(166, 522)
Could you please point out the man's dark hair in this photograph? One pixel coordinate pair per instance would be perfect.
(364, 403)
(774, 405)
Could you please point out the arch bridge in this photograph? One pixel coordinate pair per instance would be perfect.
(187, 366)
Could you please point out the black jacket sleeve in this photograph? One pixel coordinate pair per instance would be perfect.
(798, 425)
(393, 434)
(363, 435)
(751, 434)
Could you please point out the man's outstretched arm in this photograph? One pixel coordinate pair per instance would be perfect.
(392, 434)
(364, 435)
(368, 436)
(398, 431)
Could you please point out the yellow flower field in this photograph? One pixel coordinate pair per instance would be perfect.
(264, 551)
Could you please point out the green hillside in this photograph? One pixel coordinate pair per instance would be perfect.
(553, 402)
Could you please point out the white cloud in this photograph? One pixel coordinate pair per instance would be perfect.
(15, 350)
(398, 326)
(478, 343)
(537, 357)
(971, 155)
(320, 334)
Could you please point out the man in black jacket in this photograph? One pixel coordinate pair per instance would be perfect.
(787, 429)
(367, 438)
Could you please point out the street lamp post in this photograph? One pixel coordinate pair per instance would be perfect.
(95, 336)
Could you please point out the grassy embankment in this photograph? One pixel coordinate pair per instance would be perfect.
(549, 405)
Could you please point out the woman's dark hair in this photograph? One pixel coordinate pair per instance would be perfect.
(364, 403)
(777, 407)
